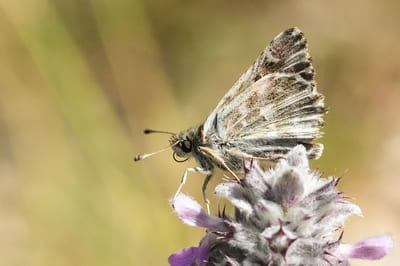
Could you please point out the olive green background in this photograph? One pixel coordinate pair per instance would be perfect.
(81, 79)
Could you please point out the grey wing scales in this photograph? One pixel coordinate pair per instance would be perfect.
(287, 53)
(279, 112)
(278, 106)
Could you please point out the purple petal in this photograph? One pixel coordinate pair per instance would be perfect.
(188, 256)
(191, 213)
(372, 248)
(183, 257)
(288, 188)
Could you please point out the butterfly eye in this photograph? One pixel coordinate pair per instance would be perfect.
(186, 146)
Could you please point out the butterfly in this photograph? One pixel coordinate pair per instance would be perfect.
(273, 107)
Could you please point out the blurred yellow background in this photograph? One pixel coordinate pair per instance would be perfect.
(81, 79)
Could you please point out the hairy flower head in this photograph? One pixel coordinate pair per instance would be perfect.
(288, 215)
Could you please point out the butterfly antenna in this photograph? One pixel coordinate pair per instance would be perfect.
(145, 155)
(150, 131)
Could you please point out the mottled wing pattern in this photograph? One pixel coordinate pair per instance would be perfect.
(281, 111)
(274, 105)
(279, 56)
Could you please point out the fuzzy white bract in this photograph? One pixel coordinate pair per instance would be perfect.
(288, 215)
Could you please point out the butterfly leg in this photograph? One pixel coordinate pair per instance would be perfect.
(195, 170)
(203, 189)
(217, 159)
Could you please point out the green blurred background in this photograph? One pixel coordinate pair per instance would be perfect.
(80, 79)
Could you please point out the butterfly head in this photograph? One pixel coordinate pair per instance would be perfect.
(182, 144)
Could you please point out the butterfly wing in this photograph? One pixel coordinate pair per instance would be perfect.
(274, 115)
(274, 105)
